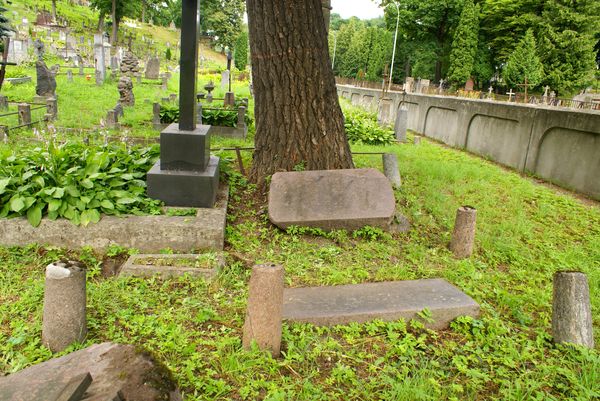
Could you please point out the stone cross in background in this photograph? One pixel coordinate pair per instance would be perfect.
(510, 95)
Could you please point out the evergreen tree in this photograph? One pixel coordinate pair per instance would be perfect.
(240, 56)
(567, 43)
(464, 45)
(5, 28)
(524, 63)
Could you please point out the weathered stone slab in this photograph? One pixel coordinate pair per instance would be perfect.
(167, 266)
(148, 234)
(387, 301)
(115, 369)
(331, 199)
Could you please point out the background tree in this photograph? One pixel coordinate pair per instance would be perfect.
(222, 19)
(240, 55)
(464, 45)
(524, 63)
(5, 30)
(117, 9)
(298, 117)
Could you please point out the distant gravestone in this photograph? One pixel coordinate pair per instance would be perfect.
(152, 68)
(69, 76)
(409, 84)
(331, 199)
(125, 87)
(46, 82)
(401, 124)
(469, 85)
(424, 85)
(225, 80)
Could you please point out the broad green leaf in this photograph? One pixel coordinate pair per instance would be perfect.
(54, 205)
(59, 193)
(72, 190)
(34, 215)
(88, 184)
(126, 201)
(3, 183)
(106, 204)
(17, 204)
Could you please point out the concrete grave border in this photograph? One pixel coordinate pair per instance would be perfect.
(148, 234)
(132, 269)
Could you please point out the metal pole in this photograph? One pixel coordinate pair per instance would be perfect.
(394, 50)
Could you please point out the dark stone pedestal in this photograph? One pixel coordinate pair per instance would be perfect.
(185, 188)
(186, 174)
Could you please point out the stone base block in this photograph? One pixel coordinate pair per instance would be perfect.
(175, 265)
(185, 150)
(185, 188)
(388, 301)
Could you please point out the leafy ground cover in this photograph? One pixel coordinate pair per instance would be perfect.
(526, 232)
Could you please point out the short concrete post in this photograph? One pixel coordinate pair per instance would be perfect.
(24, 111)
(417, 140)
(99, 78)
(69, 76)
(112, 118)
(199, 113)
(464, 232)
(265, 309)
(4, 133)
(156, 114)
(51, 109)
(401, 124)
(209, 98)
(165, 82)
(391, 169)
(3, 103)
(241, 122)
(571, 310)
(173, 97)
(64, 318)
(229, 99)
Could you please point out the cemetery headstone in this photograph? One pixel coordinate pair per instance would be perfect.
(152, 68)
(119, 110)
(391, 169)
(112, 119)
(51, 109)
(409, 84)
(224, 80)
(401, 124)
(24, 113)
(64, 318)
(38, 47)
(424, 85)
(469, 85)
(125, 87)
(3, 103)
(331, 199)
(165, 82)
(490, 95)
(114, 63)
(99, 56)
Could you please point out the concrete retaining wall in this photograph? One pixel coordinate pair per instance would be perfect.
(557, 144)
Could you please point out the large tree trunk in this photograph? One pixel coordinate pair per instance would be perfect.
(115, 24)
(298, 117)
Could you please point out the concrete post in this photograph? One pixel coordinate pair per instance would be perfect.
(391, 169)
(401, 124)
(51, 109)
(111, 119)
(24, 111)
(571, 310)
(241, 122)
(69, 76)
(3, 103)
(464, 232)
(265, 308)
(64, 317)
(165, 82)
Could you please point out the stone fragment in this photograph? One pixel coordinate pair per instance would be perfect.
(46, 82)
(265, 304)
(24, 113)
(571, 310)
(136, 267)
(331, 199)
(125, 87)
(64, 318)
(115, 369)
(387, 301)
(463, 236)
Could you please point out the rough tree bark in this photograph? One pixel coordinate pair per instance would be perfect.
(298, 116)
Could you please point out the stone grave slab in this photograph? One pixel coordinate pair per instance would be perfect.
(166, 266)
(117, 371)
(387, 301)
(332, 199)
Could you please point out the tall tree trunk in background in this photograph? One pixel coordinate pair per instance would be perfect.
(4, 59)
(143, 11)
(298, 117)
(101, 22)
(54, 11)
(115, 24)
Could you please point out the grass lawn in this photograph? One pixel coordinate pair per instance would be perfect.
(525, 232)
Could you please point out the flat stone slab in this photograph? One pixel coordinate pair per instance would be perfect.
(387, 301)
(148, 234)
(175, 265)
(331, 199)
(119, 372)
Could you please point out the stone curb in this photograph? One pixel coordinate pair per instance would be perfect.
(133, 269)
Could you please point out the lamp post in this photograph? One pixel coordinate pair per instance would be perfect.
(394, 50)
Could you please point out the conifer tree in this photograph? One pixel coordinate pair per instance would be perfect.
(524, 63)
(464, 45)
(240, 56)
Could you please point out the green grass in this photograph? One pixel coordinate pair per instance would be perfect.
(525, 232)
